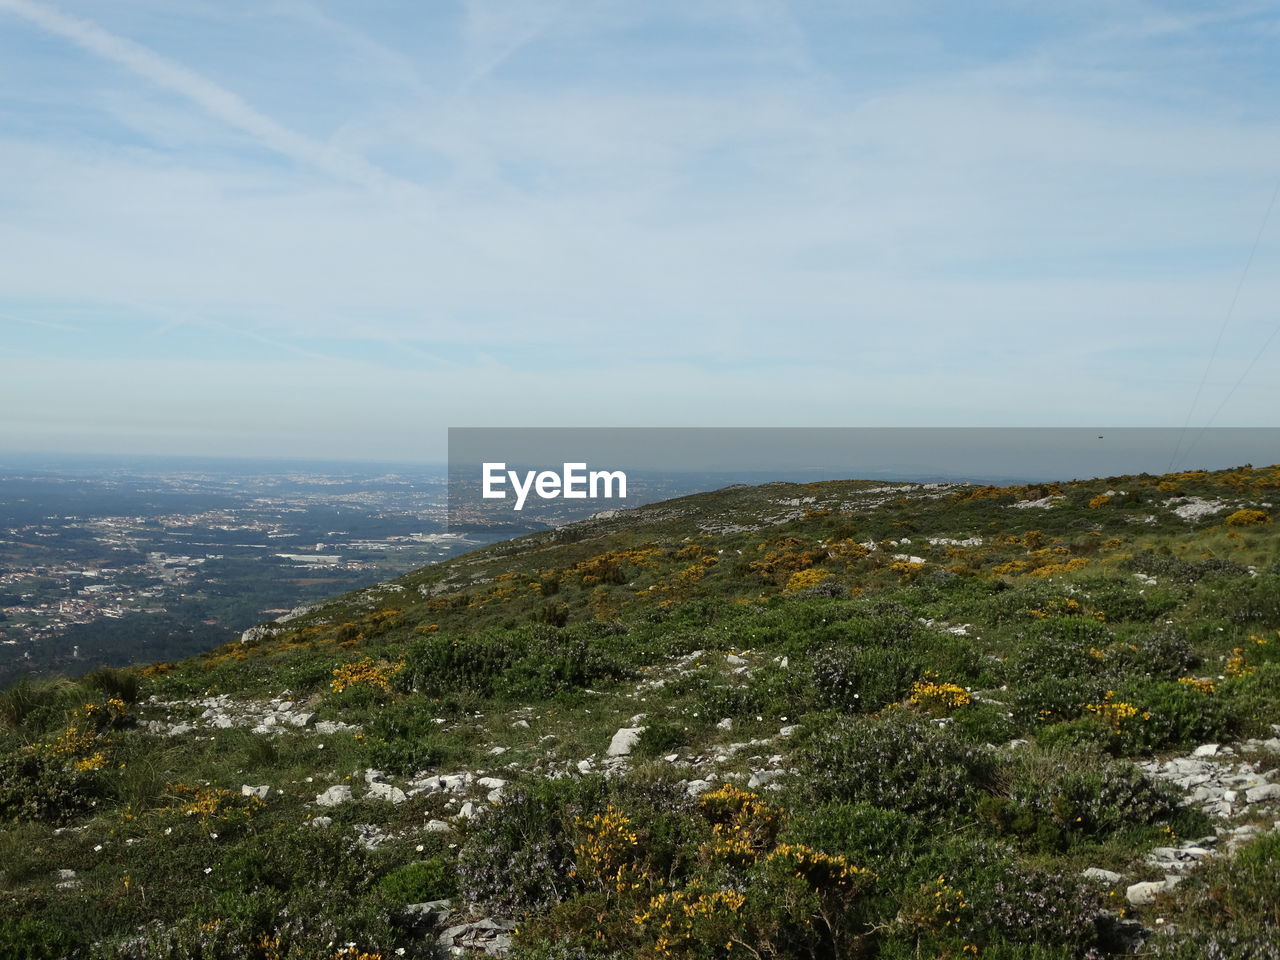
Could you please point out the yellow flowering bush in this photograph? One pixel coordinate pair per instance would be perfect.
(791, 554)
(1204, 686)
(352, 952)
(1247, 518)
(365, 673)
(1054, 569)
(805, 579)
(934, 906)
(743, 824)
(1236, 665)
(682, 920)
(206, 803)
(944, 696)
(849, 549)
(907, 569)
(607, 853)
(818, 869)
(1117, 714)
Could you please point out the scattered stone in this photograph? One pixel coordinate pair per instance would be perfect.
(624, 741)
(760, 777)
(371, 835)
(67, 880)
(1263, 792)
(385, 791)
(725, 724)
(333, 726)
(259, 792)
(1141, 894)
(430, 913)
(488, 936)
(334, 796)
(1103, 876)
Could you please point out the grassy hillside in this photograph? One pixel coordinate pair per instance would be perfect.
(842, 719)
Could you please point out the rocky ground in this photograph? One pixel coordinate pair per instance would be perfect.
(1236, 785)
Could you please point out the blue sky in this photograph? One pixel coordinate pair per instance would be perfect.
(303, 228)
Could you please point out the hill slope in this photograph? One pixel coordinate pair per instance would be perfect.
(834, 719)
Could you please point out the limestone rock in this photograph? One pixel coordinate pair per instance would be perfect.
(385, 791)
(334, 796)
(1141, 894)
(624, 741)
(1102, 876)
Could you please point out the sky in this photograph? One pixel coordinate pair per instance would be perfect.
(298, 228)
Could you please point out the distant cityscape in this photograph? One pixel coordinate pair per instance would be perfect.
(114, 563)
(111, 563)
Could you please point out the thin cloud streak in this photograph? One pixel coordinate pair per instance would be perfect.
(42, 324)
(214, 99)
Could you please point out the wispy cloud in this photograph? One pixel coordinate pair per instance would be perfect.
(42, 324)
(208, 95)
(1011, 211)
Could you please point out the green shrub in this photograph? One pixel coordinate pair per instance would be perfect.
(886, 841)
(404, 738)
(984, 723)
(992, 899)
(1256, 697)
(1245, 602)
(716, 700)
(1118, 600)
(1242, 890)
(527, 662)
(37, 704)
(1054, 798)
(661, 737)
(1165, 654)
(1168, 568)
(897, 760)
(518, 857)
(38, 786)
(1016, 904)
(434, 879)
(1059, 648)
(1174, 715)
(31, 938)
(1054, 699)
(863, 679)
(122, 683)
(1230, 942)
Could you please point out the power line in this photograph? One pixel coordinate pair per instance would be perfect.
(1230, 393)
(1226, 319)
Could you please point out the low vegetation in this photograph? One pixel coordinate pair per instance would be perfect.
(843, 719)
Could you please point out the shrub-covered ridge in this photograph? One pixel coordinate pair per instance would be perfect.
(831, 720)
